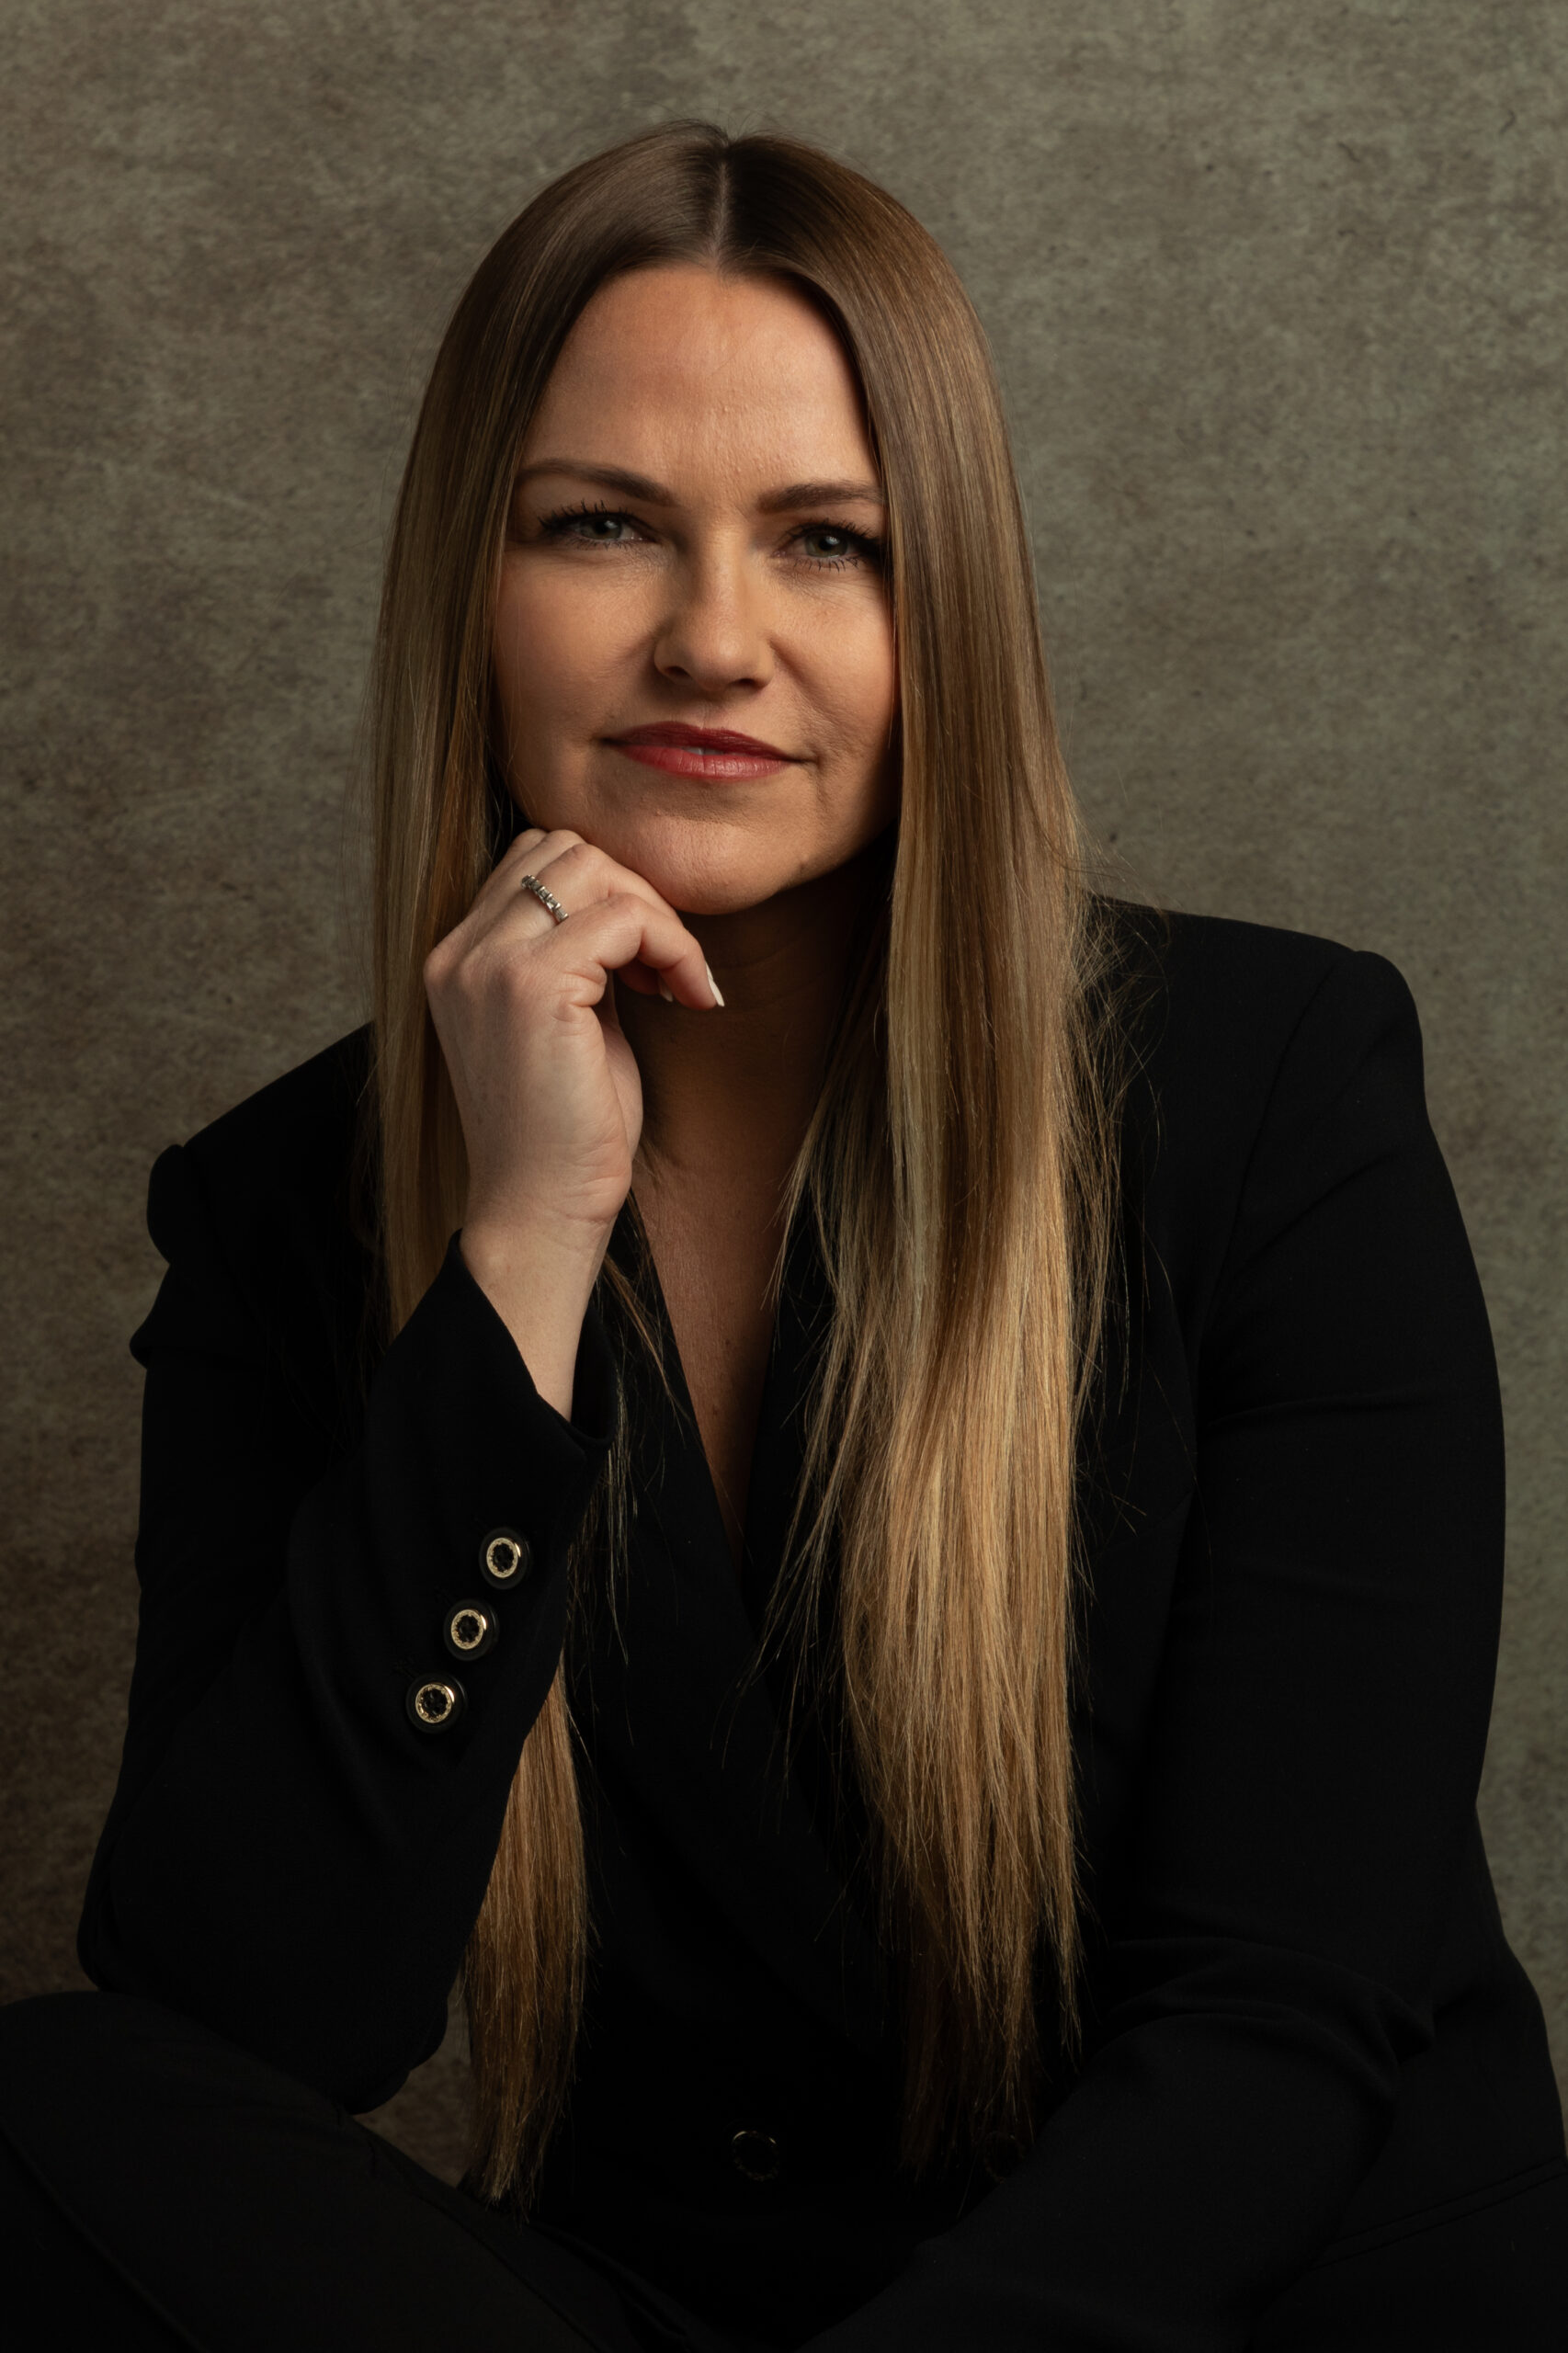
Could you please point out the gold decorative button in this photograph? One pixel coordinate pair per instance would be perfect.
(757, 2156)
(435, 1705)
(471, 1630)
(503, 1559)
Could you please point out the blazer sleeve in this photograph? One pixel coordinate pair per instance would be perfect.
(1313, 1756)
(288, 1857)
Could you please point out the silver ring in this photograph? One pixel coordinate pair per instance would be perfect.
(546, 898)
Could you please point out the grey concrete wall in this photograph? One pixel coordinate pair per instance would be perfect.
(1276, 290)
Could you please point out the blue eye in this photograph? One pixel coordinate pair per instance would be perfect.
(599, 526)
(833, 545)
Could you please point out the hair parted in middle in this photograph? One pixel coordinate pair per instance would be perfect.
(959, 1169)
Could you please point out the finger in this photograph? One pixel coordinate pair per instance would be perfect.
(629, 928)
(577, 875)
(642, 979)
(579, 872)
(532, 850)
(582, 877)
(530, 853)
(521, 845)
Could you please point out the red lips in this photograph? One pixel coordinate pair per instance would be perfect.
(718, 753)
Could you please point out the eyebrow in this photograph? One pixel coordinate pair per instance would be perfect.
(654, 493)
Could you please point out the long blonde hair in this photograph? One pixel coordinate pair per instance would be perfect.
(958, 1166)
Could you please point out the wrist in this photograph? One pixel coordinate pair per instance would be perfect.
(538, 1280)
(562, 1254)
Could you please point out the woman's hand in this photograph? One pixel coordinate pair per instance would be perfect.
(546, 1085)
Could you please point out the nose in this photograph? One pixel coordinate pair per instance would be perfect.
(714, 635)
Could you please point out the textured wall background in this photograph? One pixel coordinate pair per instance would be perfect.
(1275, 287)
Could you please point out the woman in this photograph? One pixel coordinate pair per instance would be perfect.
(865, 1487)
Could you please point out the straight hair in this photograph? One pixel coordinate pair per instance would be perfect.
(958, 1168)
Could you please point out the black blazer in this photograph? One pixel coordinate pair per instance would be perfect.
(1306, 2032)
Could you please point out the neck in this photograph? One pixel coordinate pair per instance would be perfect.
(736, 1090)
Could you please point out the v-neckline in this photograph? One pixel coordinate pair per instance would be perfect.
(777, 1443)
(689, 1709)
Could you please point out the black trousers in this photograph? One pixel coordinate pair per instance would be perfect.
(160, 2187)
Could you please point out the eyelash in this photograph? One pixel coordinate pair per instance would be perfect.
(866, 548)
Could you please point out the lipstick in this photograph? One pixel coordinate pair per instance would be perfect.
(718, 754)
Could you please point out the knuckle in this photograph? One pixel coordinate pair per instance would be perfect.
(460, 988)
(506, 975)
(585, 859)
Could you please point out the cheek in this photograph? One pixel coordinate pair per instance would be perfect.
(859, 683)
(552, 657)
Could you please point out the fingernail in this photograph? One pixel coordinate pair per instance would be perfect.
(665, 991)
(718, 992)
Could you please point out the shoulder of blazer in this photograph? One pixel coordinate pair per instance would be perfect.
(267, 1214)
(1237, 988)
(1226, 1022)
(294, 1136)
(1212, 1005)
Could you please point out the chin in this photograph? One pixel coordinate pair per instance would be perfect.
(704, 870)
(699, 890)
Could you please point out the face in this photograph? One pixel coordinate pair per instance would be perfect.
(693, 646)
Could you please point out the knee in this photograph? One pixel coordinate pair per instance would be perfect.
(49, 2266)
(55, 2044)
(57, 2024)
(40, 2034)
(100, 2067)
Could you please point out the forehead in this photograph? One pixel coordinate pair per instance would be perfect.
(683, 366)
